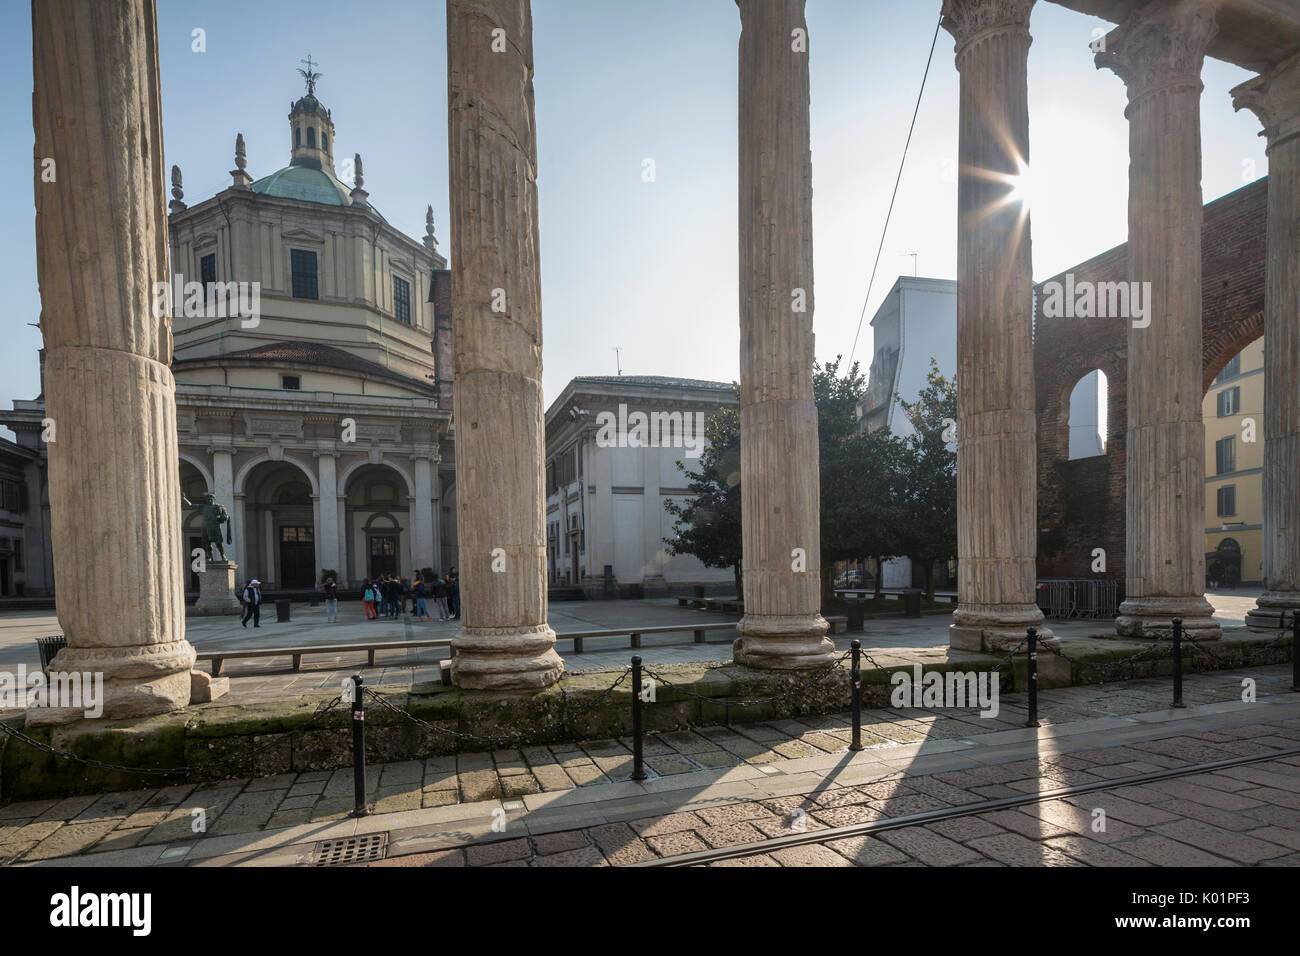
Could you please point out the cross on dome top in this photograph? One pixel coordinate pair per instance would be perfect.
(309, 75)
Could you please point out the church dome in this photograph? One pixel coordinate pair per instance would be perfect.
(305, 183)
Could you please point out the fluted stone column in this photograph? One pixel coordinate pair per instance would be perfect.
(782, 627)
(505, 641)
(1158, 54)
(422, 553)
(327, 512)
(101, 243)
(1275, 98)
(997, 483)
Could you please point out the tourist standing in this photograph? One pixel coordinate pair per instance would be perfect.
(368, 600)
(453, 593)
(421, 609)
(253, 603)
(440, 597)
(330, 591)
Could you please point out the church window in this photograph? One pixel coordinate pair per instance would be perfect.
(402, 300)
(311, 137)
(303, 264)
(291, 381)
(324, 143)
(297, 137)
(208, 273)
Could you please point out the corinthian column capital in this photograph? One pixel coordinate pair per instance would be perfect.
(1275, 98)
(1160, 47)
(972, 20)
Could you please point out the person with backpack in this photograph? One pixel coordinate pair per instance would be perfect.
(253, 603)
(368, 600)
(440, 597)
(330, 592)
(421, 609)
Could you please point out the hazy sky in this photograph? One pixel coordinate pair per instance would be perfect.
(648, 267)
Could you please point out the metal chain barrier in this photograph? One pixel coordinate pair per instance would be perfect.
(752, 701)
(515, 738)
(165, 771)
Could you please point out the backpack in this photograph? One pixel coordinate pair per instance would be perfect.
(369, 595)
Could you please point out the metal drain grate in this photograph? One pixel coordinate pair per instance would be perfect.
(357, 849)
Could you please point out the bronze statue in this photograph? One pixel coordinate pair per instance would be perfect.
(214, 514)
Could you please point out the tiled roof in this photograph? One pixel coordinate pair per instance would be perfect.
(309, 353)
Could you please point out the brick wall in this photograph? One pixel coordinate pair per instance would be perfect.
(1081, 503)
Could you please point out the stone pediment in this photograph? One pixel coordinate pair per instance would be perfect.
(303, 235)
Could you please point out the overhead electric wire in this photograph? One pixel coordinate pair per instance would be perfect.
(884, 232)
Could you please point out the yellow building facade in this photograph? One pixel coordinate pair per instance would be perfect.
(1233, 411)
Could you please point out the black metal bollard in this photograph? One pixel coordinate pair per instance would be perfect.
(1295, 646)
(1178, 662)
(1031, 676)
(855, 677)
(358, 749)
(638, 765)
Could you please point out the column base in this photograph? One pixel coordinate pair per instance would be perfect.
(491, 658)
(783, 642)
(997, 627)
(1270, 609)
(138, 681)
(1150, 618)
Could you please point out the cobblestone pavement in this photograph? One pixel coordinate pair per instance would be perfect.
(1240, 816)
(442, 800)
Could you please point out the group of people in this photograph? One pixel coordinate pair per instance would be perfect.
(388, 596)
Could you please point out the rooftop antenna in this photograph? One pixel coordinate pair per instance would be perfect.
(618, 359)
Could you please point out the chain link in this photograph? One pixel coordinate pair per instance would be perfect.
(752, 701)
(514, 738)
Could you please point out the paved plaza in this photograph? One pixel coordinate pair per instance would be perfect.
(574, 804)
(889, 640)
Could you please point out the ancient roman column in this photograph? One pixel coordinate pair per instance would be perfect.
(1275, 98)
(782, 627)
(997, 486)
(1158, 54)
(505, 642)
(101, 244)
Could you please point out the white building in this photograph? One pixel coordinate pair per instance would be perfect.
(605, 493)
(323, 422)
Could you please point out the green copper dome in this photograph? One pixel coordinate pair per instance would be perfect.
(305, 183)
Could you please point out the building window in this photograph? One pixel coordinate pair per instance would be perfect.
(1231, 370)
(402, 300)
(297, 137)
(18, 555)
(11, 496)
(303, 264)
(290, 381)
(1227, 501)
(208, 273)
(1225, 455)
(311, 137)
(1229, 401)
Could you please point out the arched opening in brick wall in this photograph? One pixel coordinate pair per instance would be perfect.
(1087, 416)
(1081, 503)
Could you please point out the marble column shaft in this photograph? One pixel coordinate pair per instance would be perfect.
(782, 627)
(101, 243)
(505, 642)
(1158, 54)
(996, 448)
(1275, 98)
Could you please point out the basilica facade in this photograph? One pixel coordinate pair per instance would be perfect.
(312, 354)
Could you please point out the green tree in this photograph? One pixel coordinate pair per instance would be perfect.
(928, 529)
(708, 524)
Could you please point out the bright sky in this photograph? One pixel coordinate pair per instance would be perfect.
(648, 267)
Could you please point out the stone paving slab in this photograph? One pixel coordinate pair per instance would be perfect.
(260, 821)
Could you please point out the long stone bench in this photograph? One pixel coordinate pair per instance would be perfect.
(219, 658)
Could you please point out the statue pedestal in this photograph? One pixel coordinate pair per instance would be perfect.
(217, 589)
